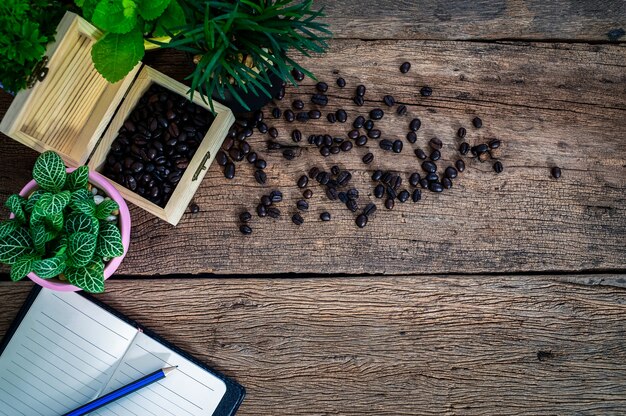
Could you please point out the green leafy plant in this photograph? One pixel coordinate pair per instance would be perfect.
(26, 27)
(239, 43)
(125, 23)
(59, 230)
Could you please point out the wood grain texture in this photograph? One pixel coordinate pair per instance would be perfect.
(551, 105)
(572, 20)
(470, 345)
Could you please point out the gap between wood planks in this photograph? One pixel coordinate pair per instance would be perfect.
(517, 41)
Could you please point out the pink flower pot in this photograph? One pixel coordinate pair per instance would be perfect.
(124, 223)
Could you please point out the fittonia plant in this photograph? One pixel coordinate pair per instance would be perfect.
(59, 230)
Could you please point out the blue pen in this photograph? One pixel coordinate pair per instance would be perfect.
(121, 392)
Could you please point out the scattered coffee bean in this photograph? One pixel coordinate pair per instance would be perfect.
(276, 113)
(411, 137)
(477, 122)
(313, 172)
(403, 196)
(424, 183)
(194, 208)
(435, 143)
(360, 90)
(297, 74)
(321, 86)
(315, 114)
(435, 155)
(373, 134)
(426, 91)
(229, 170)
(307, 194)
(343, 197)
(464, 148)
(221, 158)
(389, 203)
(420, 154)
(245, 216)
(377, 175)
(261, 210)
(260, 177)
(346, 146)
(461, 132)
(429, 167)
(303, 181)
(389, 100)
(497, 167)
(341, 115)
(404, 68)
(379, 191)
(352, 205)
(460, 165)
(358, 122)
(331, 193)
(289, 154)
(451, 172)
(272, 145)
(325, 216)
(402, 110)
(556, 172)
(415, 124)
(353, 193)
(341, 82)
(265, 200)
(368, 158)
(344, 177)
(325, 151)
(361, 140)
(319, 99)
(276, 196)
(397, 146)
(358, 100)
(361, 220)
(494, 144)
(414, 179)
(376, 114)
(258, 116)
(417, 195)
(335, 170)
(386, 144)
(369, 209)
(273, 212)
(289, 116)
(302, 205)
(368, 125)
(481, 148)
(297, 104)
(296, 135)
(302, 116)
(260, 164)
(245, 229)
(446, 183)
(335, 149)
(435, 186)
(432, 177)
(331, 117)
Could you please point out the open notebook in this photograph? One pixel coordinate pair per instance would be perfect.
(65, 349)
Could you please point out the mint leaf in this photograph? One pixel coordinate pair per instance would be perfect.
(109, 243)
(77, 179)
(115, 55)
(22, 266)
(15, 245)
(151, 9)
(106, 208)
(173, 17)
(14, 204)
(49, 171)
(79, 222)
(89, 278)
(81, 247)
(50, 267)
(115, 16)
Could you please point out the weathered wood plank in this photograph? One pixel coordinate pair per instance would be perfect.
(551, 105)
(481, 345)
(578, 20)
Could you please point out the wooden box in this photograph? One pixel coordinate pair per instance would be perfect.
(77, 113)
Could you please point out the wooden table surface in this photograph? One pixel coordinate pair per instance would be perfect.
(503, 295)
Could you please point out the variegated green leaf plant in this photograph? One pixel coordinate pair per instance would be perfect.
(59, 230)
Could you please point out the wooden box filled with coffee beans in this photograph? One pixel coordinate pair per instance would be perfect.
(143, 132)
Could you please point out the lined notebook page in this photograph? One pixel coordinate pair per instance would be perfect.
(62, 356)
(187, 391)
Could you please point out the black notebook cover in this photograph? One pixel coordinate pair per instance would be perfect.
(229, 403)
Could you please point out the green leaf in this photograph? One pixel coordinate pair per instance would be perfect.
(115, 16)
(106, 208)
(82, 201)
(15, 204)
(115, 55)
(49, 172)
(77, 179)
(172, 18)
(8, 226)
(79, 222)
(38, 234)
(89, 278)
(15, 245)
(81, 247)
(50, 204)
(109, 242)
(88, 6)
(54, 224)
(50, 267)
(151, 9)
(32, 200)
(23, 266)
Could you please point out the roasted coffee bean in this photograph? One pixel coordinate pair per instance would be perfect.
(353, 134)
(265, 200)
(411, 137)
(346, 146)
(361, 220)
(481, 148)
(248, 132)
(377, 175)
(276, 196)
(417, 195)
(331, 117)
(361, 140)
(289, 154)
(335, 149)
(332, 194)
(451, 172)
(352, 205)
(314, 114)
(273, 132)
(323, 178)
(391, 193)
(235, 154)
(368, 158)
(446, 183)
(403, 196)
(260, 164)
(245, 148)
(556, 172)
(260, 176)
(389, 203)
(297, 104)
(460, 165)
(397, 146)
(429, 167)
(272, 145)
(297, 74)
(325, 216)
(461, 132)
(257, 116)
(402, 110)
(358, 122)
(368, 125)
(344, 177)
(358, 100)
(229, 170)
(420, 154)
(387, 177)
(435, 155)
(261, 210)
(477, 122)
(296, 135)
(379, 191)
(432, 177)
(369, 209)
(289, 116)
(307, 194)
(389, 100)
(464, 148)
(341, 115)
(276, 113)
(435, 186)
(313, 172)
(360, 90)
(302, 205)
(221, 158)
(415, 124)
(303, 181)
(497, 167)
(273, 212)
(426, 91)
(404, 68)
(194, 208)
(297, 219)
(341, 82)
(376, 114)
(353, 193)
(228, 144)
(435, 143)
(386, 144)
(245, 229)
(414, 179)
(319, 99)
(373, 134)
(302, 116)
(321, 86)
(325, 151)
(342, 197)
(245, 216)
(494, 144)
(424, 183)
(335, 170)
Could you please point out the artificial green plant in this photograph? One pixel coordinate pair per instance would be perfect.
(58, 230)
